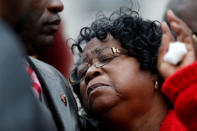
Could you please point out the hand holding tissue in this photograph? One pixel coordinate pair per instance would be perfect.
(175, 53)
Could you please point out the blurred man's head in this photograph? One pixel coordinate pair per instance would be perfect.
(44, 27)
(35, 21)
(49, 22)
(21, 14)
(12, 11)
(186, 10)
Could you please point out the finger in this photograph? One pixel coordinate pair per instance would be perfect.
(163, 48)
(189, 43)
(172, 17)
(178, 25)
(164, 45)
(189, 40)
(182, 33)
(166, 30)
(179, 31)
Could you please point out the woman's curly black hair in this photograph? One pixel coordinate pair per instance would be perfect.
(134, 33)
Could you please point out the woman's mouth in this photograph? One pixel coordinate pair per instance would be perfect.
(93, 87)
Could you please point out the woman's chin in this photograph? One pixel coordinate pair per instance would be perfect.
(102, 104)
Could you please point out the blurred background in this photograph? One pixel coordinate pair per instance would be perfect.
(79, 13)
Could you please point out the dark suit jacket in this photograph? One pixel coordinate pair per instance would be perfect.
(19, 109)
(53, 86)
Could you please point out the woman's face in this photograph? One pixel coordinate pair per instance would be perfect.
(118, 86)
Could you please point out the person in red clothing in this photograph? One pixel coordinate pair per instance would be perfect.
(180, 84)
(117, 79)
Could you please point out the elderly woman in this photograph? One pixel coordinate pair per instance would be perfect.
(117, 79)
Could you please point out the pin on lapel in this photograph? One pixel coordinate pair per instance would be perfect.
(63, 98)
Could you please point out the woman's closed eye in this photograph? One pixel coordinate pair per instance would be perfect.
(106, 58)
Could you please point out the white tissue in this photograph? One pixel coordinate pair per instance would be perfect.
(175, 53)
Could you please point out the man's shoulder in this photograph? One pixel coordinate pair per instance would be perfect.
(56, 85)
(42, 65)
(45, 69)
(50, 78)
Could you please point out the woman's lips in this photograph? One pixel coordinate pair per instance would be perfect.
(93, 87)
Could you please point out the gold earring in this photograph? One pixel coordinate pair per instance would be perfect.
(155, 84)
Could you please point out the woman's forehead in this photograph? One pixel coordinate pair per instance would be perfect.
(96, 45)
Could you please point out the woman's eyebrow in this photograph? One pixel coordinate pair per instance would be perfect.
(101, 49)
(98, 50)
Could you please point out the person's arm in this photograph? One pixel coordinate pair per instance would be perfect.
(181, 89)
(180, 85)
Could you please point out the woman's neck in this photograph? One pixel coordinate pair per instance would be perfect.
(148, 121)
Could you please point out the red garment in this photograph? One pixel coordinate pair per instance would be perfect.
(36, 86)
(172, 123)
(181, 89)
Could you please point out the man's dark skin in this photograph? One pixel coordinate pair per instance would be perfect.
(36, 25)
(44, 28)
(37, 34)
(19, 109)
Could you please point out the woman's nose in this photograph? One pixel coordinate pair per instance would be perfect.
(92, 73)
